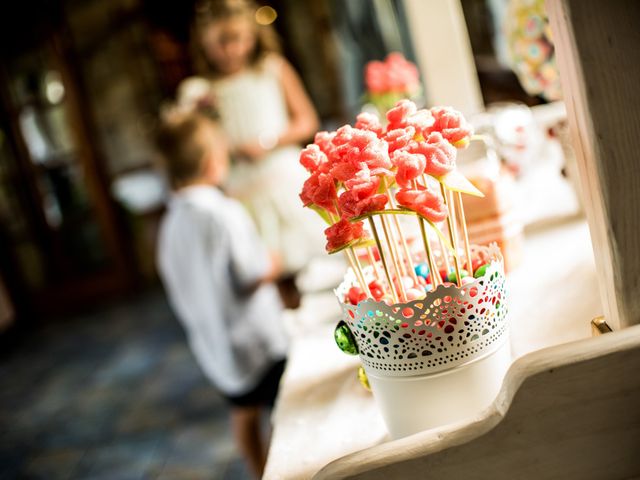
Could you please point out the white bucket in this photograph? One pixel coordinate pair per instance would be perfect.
(421, 402)
(436, 360)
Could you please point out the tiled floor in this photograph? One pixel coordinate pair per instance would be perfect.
(112, 395)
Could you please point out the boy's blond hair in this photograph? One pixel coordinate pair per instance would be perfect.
(182, 145)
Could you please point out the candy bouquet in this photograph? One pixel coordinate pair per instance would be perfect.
(391, 80)
(423, 308)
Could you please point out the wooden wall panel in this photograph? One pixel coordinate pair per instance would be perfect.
(598, 52)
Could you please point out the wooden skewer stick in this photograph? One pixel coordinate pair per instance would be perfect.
(359, 266)
(444, 252)
(433, 266)
(383, 260)
(394, 241)
(435, 275)
(403, 240)
(452, 231)
(357, 269)
(374, 264)
(445, 256)
(465, 234)
(352, 258)
(394, 258)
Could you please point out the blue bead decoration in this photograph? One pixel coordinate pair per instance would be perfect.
(422, 270)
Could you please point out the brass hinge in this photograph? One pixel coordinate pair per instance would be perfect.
(599, 326)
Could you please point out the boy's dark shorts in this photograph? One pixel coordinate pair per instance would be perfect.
(264, 394)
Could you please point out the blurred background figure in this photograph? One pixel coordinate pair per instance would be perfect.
(266, 114)
(219, 279)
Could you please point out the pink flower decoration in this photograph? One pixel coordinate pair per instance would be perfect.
(426, 201)
(452, 125)
(352, 205)
(361, 196)
(312, 158)
(422, 120)
(410, 166)
(370, 122)
(439, 153)
(397, 116)
(376, 156)
(357, 149)
(395, 75)
(344, 171)
(364, 182)
(319, 189)
(353, 138)
(402, 75)
(375, 78)
(399, 138)
(324, 141)
(342, 233)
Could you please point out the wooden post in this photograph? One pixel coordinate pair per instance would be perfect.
(596, 44)
(449, 74)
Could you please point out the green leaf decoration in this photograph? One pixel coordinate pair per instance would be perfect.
(357, 243)
(322, 212)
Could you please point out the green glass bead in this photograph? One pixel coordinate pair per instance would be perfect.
(480, 271)
(453, 278)
(344, 339)
(364, 381)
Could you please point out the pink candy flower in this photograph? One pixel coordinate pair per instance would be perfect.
(319, 189)
(356, 149)
(427, 201)
(324, 141)
(399, 138)
(361, 196)
(353, 137)
(438, 152)
(364, 182)
(395, 75)
(422, 121)
(375, 78)
(410, 166)
(345, 171)
(376, 156)
(406, 114)
(452, 125)
(398, 115)
(342, 233)
(369, 121)
(402, 75)
(313, 158)
(352, 205)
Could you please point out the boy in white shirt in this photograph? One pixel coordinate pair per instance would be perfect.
(218, 277)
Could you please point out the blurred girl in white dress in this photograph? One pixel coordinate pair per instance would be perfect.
(266, 115)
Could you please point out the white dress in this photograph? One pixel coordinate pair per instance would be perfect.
(252, 105)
